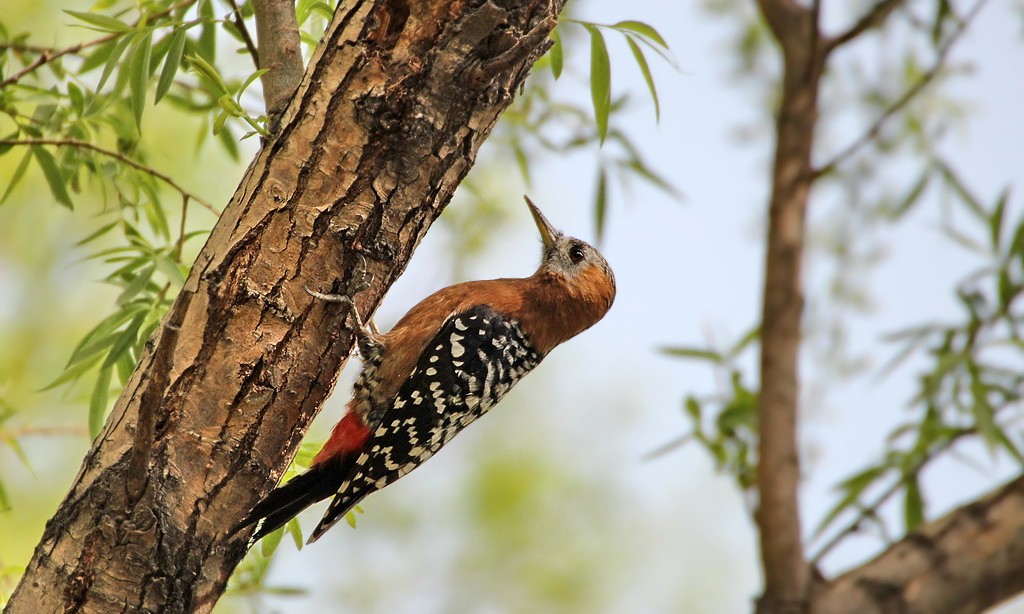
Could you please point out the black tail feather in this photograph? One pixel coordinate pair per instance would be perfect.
(285, 502)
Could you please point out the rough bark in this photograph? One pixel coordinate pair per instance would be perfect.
(787, 576)
(387, 120)
(966, 562)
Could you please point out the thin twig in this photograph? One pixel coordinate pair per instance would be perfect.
(27, 48)
(873, 132)
(181, 228)
(244, 31)
(117, 156)
(874, 18)
(50, 55)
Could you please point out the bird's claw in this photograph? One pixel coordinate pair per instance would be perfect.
(361, 279)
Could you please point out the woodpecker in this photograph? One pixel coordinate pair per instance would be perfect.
(442, 366)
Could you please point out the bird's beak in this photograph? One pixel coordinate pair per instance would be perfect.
(547, 232)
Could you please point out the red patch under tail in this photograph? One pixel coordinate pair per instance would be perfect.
(348, 437)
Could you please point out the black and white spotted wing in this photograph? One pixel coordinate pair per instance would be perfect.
(475, 358)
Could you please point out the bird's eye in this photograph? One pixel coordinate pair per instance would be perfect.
(576, 254)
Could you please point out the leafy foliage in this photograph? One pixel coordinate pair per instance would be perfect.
(724, 424)
(538, 123)
(971, 389)
(84, 132)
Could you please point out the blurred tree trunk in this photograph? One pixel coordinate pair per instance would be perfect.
(787, 576)
(386, 122)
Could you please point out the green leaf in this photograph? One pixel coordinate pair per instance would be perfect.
(125, 340)
(749, 337)
(137, 285)
(942, 12)
(913, 504)
(642, 29)
(963, 240)
(138, 74)
(54, 177)
(76, 97)
(245, 85)
(641, 61)
(270, 543)
(19, 173)
(99, 22)
(521, 161)
(911, 198)
(600, 81)
(853, 487)
(102, 335)
(171, 63)
(958, 186)
(557, 54)
(218, 122)
(98, 402)
(98, 56)
(995, 220)
(73, 372)
(207, 72)
(10, 145)
(693, 408)
(350, 517)
(1006, 289)
(638, 167)
(983, 412)
(227, 140)
(696, 353)
(125, 367)
(95, 235)
(295, 530)
(208, 34)
(5, 503)
(170, 270)
(601, 202)
(112, 61)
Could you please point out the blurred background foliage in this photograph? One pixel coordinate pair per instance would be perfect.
(550, 507)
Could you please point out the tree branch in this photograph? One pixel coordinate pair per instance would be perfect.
(874, 18)
(965, 562)
(243, 30)
(49, 55)
(280, 53)
(117, 156)
(876, 127)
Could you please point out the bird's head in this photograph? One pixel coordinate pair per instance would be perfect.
(575, 263)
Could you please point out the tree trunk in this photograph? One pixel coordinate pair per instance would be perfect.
(388, 119)
(787, 576)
